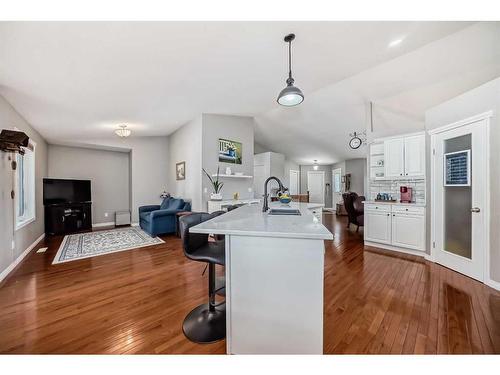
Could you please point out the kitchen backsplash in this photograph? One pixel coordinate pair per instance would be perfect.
(392, 188)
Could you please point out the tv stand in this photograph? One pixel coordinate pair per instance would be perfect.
(64, 218)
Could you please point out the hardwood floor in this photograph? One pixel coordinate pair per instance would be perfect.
(135, 301)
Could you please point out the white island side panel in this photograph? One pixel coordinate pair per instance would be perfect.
(274, 295)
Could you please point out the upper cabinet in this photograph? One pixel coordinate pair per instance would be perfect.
(405, 156)
(415, 155)
(394, 157)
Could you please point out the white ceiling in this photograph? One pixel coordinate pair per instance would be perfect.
(78, 80)
(401, 90)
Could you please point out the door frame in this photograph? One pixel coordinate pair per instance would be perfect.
(298, 180)
(486, 116)
(322, 185)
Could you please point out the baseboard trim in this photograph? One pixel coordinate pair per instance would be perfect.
(492, 283)
(396, 249)
(134, 224)
(20, 258)
(107, 224)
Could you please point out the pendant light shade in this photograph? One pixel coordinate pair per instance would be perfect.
(290, 95)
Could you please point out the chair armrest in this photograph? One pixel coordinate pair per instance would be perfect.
(161, 213)
(150, 208)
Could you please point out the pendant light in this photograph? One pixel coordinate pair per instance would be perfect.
(290, 95)
(315, 165)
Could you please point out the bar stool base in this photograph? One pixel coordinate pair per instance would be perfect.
(203, 326)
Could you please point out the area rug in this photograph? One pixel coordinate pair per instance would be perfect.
(91, 244)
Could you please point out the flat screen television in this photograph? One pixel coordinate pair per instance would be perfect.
(57, 191)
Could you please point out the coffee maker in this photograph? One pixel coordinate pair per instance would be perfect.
(406, 194)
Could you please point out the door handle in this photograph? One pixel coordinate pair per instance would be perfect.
(475, 209)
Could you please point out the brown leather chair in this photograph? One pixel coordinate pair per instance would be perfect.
(355, 209)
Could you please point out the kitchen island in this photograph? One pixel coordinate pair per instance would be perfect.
(274, 279)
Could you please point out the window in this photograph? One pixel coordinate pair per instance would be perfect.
(25, 187)
(337, 180)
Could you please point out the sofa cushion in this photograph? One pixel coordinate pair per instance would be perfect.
(165, 203)
(175, 204)
(145, 216)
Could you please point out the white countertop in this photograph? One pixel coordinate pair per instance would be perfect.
(249, 220)
(398, 203)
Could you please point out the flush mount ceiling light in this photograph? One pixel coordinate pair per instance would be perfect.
(396, 42)
(290, 95)
(315, 165)
(123, 132)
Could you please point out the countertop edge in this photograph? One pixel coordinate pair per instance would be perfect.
(397, 203)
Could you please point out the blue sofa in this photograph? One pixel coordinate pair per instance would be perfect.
(161, 219)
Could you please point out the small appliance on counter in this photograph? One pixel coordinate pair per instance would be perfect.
(384, 197)
(406, 194)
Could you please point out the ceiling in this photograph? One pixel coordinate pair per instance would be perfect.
(78, 80)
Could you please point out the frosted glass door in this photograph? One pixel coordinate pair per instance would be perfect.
(459, 181)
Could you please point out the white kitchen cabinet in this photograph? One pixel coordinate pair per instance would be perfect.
(267, 164)
(405, 157)
(408, 230)
(394, 157)
(377, 226)
(398, 225)
(414, 155)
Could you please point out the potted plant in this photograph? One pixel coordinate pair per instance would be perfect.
(216, 185)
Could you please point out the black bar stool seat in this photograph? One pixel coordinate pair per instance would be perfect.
(212, 252)
(207, 322)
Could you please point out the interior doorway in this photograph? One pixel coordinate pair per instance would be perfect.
(316, 186)
(460, 216)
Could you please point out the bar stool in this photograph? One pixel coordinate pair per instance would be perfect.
(207, 322)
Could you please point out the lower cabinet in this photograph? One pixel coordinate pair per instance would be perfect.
(395, 225)
(378, 226)
(408, 231)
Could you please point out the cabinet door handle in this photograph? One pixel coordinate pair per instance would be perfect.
(388, 214)
(475, 209)
(63, 219)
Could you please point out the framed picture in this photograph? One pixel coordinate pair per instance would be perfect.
(230, 151)
(180, 171)
(457, 168)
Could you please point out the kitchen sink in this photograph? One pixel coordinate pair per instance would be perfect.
(284, 211)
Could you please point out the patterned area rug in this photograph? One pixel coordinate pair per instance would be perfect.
(91, 244)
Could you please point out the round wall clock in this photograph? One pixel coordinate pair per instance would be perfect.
(355, 142)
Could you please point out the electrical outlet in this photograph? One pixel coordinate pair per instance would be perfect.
(13, 245)
(205, 190)
(106, 214)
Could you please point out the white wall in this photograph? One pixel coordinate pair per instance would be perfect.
(235, 128)
(26, 235)
(107, 170)
(185, 145)
(357, 169)
(482, 99)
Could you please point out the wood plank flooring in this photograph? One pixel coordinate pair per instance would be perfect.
(135, 301)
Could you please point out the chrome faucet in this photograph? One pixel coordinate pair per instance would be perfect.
(265, 207)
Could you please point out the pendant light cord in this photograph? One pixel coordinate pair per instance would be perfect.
(290, 59)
